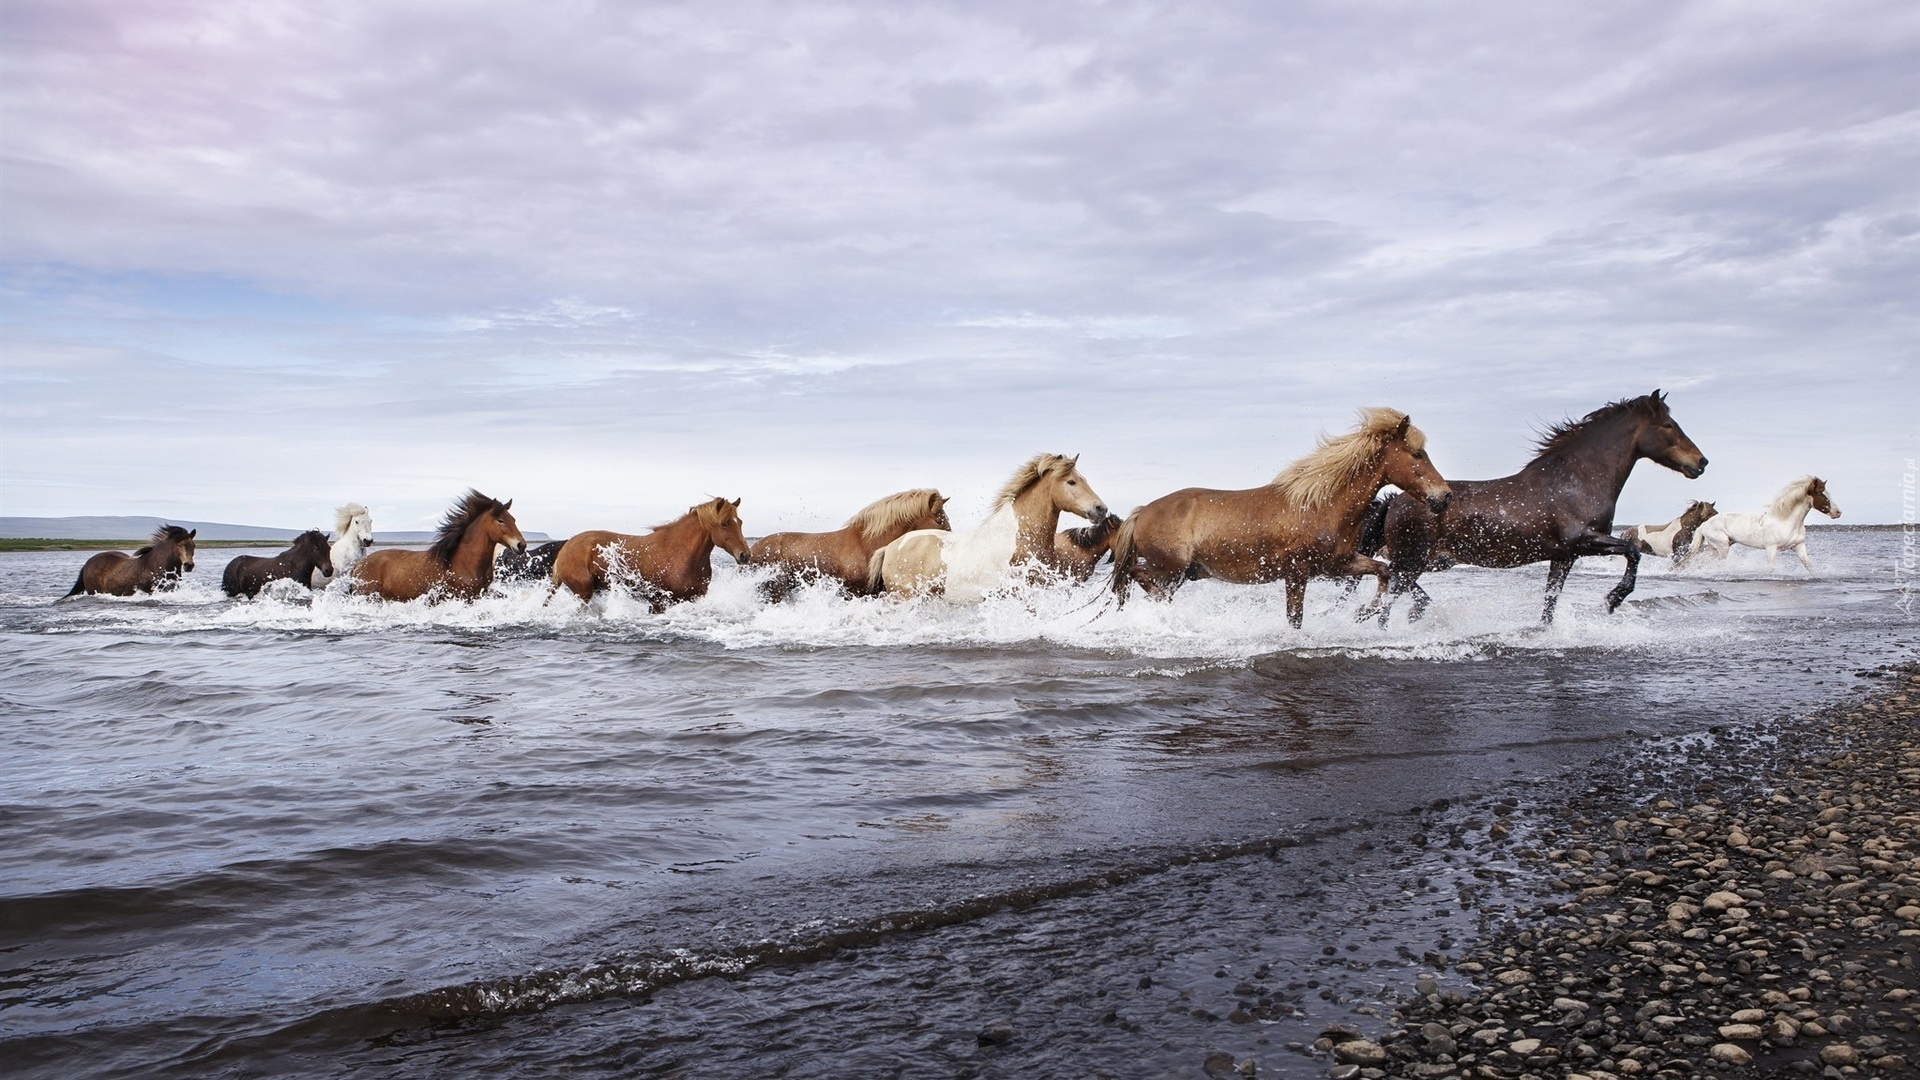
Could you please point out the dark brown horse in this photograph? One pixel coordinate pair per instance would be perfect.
(1304, 524)
(672, 563)
(156, 566)
(846, 553)
(459, 562)
(1558, 508)
(535, 564)
(1077, 551)
(246, 575)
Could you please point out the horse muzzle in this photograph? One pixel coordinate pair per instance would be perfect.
(1438, 503)
(1098, 514)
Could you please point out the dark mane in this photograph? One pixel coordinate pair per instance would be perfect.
(169, 534)
(1557, 436)
(312, 536)
(471, 507)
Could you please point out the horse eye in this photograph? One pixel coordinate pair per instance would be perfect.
(1073, 483)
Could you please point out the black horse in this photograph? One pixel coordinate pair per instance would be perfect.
(534, 564)
(246, 575)
(1558, 508)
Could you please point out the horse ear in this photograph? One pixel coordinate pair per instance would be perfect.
(1400, 430)
(1657, 395)
(193, 532)
(736, 504)
(508, 505)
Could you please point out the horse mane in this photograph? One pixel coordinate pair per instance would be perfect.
(311, 536)
(1317, 478)
(464, 513)
(1789, 498)
(1558, 436)
(1035, 470)
(892, 511)
(170, 534)
(343, 517)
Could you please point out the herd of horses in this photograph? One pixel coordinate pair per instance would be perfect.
(1322, 516)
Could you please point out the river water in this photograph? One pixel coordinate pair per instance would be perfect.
(330, 836)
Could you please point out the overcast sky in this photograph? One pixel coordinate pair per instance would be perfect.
(608, 259)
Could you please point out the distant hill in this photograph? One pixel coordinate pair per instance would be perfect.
(107, 527)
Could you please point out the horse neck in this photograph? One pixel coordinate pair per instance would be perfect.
(1036, 519)
(163, 557)
(1796, 518)
(687, 535)
(473, 557)
(349, 546)
(1600, 457)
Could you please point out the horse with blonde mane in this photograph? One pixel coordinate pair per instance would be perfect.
(845, 554)
(458, 563)
(1674, 539)
(352, 536)
(673, 563)
(1781, 526)
(1305, 523)
(157, 566)
(963, 567)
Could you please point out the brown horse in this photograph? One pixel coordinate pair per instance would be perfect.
(672, 563)
(155, 566)
(1558, 508)
(1077, 551)
(1304, 524)
(845, 553)
(246, 575)
(459, 562)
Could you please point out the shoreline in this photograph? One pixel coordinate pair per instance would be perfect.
(1749, 906)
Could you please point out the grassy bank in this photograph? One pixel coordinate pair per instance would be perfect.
(39, 544)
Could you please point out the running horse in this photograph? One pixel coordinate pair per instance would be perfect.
(1674, 539)
(846, 554)
(1781, 526)
(1305, 523)
(673, 563)
(1557, 508)
(963, 567)
(353, 535)
(308, 558)
(157, 566)
(458, 563)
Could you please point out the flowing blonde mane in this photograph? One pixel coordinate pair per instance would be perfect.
(1034, 471)
(893, 511)
(344, 516)
(1318, 477)
(1785, 503)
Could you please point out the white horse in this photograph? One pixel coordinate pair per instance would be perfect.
(1782, 525)
(353, 534)
(965, 566)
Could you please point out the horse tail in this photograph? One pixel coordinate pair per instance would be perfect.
(1123, 548)
(1373, 528)
(79, 584)
(876, 579)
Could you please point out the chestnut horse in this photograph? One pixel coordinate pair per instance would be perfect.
(672, 563)
(1673, 540)
(964, 566)
(1781, 526)
(155, 566)
(459, 562)
(246, 575)
(845, 554)
(1305, 523)
(1077, 551)
(1558, 508)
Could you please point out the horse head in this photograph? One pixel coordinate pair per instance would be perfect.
(936, 517)
(1817, 491)
(1071, 493)
(722, 521)
(1404, 464)
(1697, 514)
(1661, 440)
(502, 529)
(314, 544)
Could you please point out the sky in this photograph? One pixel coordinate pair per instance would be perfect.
(607, 260)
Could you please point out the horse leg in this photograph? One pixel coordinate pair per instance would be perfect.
(1628, 580)
(1296, 601)
(1557, 571)
(1773, 552)
(1362, 566)
(1800, 549)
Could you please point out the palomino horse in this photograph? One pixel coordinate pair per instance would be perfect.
(1305, 523)
(845, 554)
(1558, 508)
(964, 566)
(459, 562)
(155, 566)
(246, 575)
(352, 535)
(672, 563)
(1782, 525)
(1077, 551)
(1673, 540)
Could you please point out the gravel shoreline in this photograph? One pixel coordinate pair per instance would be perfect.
(1744, 907)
